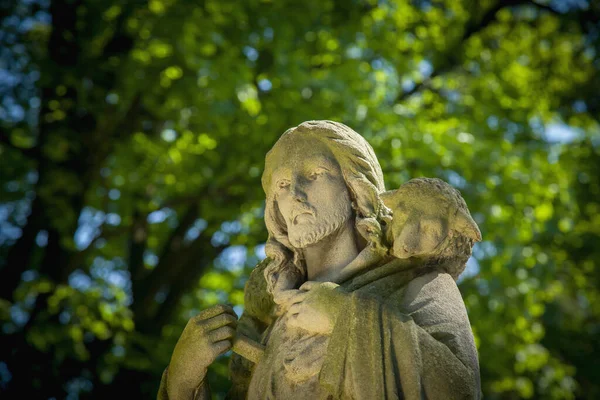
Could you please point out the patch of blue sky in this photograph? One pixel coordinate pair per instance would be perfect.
(160, 296)
(119, 278)
(5, 375)
(268, 33)
(101, 267)
(80, 280)
(564, 6)
(76, 386)
(150, 258)
(113, 219)
(43, 16)
(231, 227)
(472, 269)
(18, 315)
(159, 216)
(492, 121)
(29, 275)
(580, 106)
(84, 235)
(265, 85)
(354, 52)
(455, 179)
(483, 287)
(8, 80)
(195, 231)
(42, 238)
(233, 258)
(5, 210)
(64, 317)
(260, 251)
(239, 309)
(377, 63)
(484, 249)
(408, 84)
(250, 52)
(561, 133)
(114, 194)
(452, 95)
(15, 113)
(425, 68)
(9, 232)
(168, 135)
(32, 177)
(219, 238)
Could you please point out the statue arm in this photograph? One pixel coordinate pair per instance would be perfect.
(202, 392)
(253, 322)
(240, 368)
(417, 343)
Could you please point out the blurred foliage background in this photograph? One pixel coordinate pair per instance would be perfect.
(133, 136)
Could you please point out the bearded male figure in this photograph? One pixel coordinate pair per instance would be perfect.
(394, 328)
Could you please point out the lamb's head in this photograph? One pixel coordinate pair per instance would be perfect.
(431, 222)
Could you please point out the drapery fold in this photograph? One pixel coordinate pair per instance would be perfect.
(413, 343)
(403, 333)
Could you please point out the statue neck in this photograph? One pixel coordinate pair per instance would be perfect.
(330, 255)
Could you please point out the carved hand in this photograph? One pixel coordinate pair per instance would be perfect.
(316, 306)
(205, 337)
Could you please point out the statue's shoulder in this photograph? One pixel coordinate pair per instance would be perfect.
(258, 302)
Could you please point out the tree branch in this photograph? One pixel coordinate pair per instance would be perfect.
(19, 255)
(168, 268)
(137, 244)
(198, 262)
(452, 57)
(545, 7)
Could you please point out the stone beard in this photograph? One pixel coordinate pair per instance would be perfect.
(308, 226)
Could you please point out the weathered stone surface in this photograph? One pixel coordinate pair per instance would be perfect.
(357, 297)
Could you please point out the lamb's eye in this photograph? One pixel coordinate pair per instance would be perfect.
(282, 184)
(316, 173)
(433, 228)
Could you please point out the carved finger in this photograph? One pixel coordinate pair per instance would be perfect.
(214, 311)
(308, 285)
(294, 298)
(222, 347)
(294, 309)
(293, 320)
(218, 321)
(222, 333)
(283, 296)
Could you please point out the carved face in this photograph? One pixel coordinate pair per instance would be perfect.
(309, 189)
(420, 223)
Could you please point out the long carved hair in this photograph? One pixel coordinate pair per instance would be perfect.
(364, 180)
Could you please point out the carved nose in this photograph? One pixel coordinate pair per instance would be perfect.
(300, 197)
(298, 194)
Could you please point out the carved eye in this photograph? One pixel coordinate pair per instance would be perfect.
(316, 173)
(282, 184)
(432, 227)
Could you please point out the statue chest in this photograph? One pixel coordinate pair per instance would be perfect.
(291, 364)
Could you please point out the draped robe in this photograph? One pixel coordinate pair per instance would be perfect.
(403, 333)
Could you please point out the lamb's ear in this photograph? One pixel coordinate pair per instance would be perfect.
(465, 224)
(389, 198)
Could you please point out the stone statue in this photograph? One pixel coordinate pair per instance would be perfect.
(357, 296)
